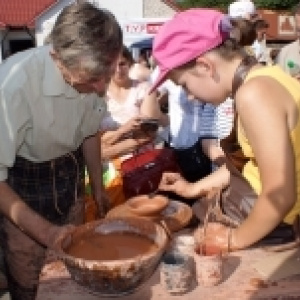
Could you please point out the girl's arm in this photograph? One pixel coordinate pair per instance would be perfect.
(267, 113)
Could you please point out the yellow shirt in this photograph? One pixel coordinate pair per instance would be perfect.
(41, 116)
(250, 171)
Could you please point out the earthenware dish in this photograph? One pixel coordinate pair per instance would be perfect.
(144, 205)
(114, 278)
(176, 215)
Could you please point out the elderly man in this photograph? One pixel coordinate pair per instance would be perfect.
(50, 110)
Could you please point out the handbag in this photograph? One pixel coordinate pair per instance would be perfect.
(143, 171)
(193, 163)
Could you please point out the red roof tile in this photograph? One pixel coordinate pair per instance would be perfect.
(22, 12)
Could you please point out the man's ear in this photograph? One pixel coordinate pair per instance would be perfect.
(53, 54)
(56, 59)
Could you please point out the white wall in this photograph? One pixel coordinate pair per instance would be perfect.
(46, 21)
(124, 9)
(132, 9)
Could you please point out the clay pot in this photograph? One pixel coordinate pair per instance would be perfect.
(209, 266)
(176, 273)
(199, 232)
(184, 244)
(146, 206)
(114, 277)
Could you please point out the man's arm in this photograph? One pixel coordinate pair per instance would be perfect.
(92, 155)
(16, 210)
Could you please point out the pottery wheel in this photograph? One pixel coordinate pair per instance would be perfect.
(176, 215)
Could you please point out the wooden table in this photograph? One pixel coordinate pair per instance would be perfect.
(241, 281)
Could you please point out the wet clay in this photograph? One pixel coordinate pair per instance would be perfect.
(112, 246)
(207, 250)
(148, 206)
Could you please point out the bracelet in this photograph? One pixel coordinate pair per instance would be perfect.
(229, 239)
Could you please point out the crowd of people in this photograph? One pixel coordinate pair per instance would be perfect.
(76, 106)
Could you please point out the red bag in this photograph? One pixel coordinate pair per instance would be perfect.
(142, 172)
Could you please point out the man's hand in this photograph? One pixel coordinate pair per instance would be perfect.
(56, 233)
(103, 204)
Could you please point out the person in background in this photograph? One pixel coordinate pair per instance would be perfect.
(291, 52)
(267, 103)
(51, 106)
(193, 124)
(128, 104)
(259, 46)
(140, 70)
(243, 9)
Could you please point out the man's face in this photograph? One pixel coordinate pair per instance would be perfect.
(297, 21)
(82, 82)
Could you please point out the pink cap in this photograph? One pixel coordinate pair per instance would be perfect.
(185, 37)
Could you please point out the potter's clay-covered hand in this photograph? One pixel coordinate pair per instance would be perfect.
(56, 233)
(217, 236)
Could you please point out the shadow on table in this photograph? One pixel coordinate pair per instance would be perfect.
(279, 276)
(231, 263)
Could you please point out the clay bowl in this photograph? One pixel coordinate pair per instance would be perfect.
(113, 278)
(145, 206)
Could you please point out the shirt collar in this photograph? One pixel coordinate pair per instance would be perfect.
(53, 82)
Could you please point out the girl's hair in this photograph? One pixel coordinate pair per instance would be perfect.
(242, 34)
(127, 55)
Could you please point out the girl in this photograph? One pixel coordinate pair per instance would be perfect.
(202, 50)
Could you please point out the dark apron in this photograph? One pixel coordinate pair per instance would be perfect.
(50, 189)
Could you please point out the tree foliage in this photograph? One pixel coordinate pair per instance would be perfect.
(223, 4)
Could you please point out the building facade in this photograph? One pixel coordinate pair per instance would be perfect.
(140, 19)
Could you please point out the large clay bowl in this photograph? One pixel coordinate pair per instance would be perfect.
(146, 206)
(113, 278)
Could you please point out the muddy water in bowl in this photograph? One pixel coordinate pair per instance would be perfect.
(95, 246)
(105, 269)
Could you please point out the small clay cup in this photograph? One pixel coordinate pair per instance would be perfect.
(184, 244)
(176, 273)
(209, 265)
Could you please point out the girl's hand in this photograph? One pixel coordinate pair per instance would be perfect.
(173, 182)
(217, 237)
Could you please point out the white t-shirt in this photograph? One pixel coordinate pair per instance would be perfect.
(119, 113)
(191, 120)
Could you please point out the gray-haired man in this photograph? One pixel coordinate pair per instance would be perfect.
(50, 110)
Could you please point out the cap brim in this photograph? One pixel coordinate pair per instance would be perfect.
(161, 78)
